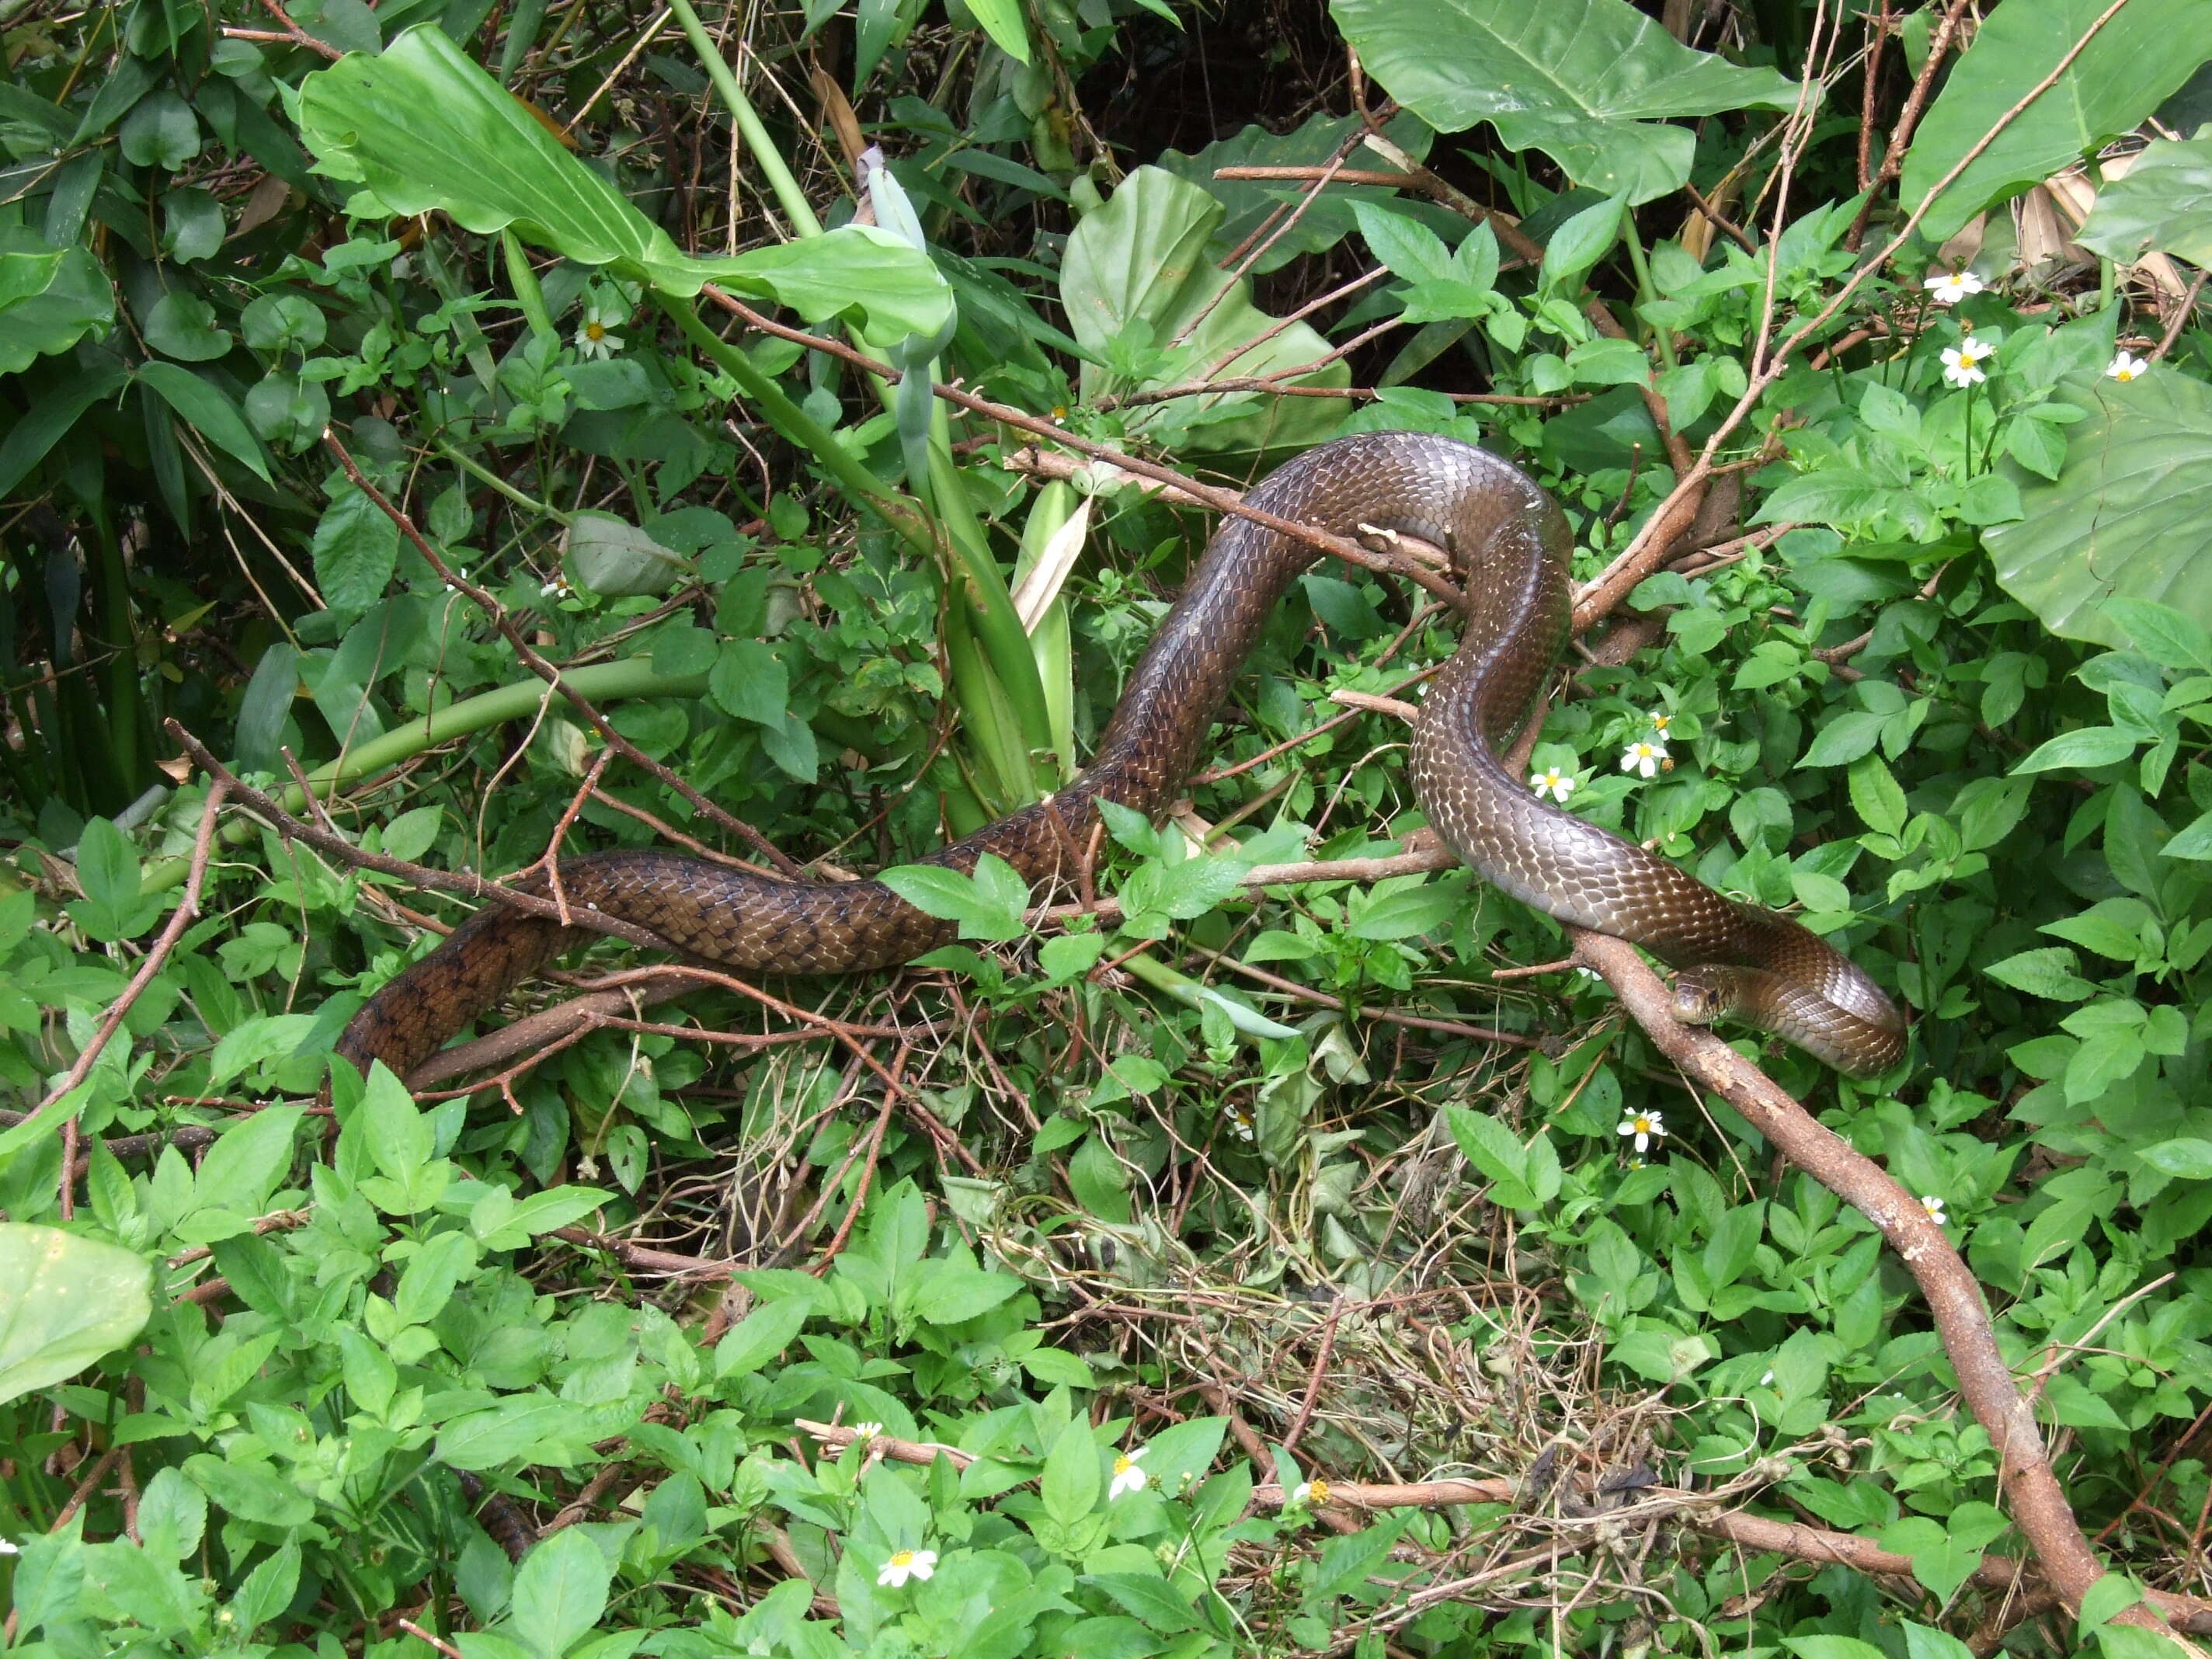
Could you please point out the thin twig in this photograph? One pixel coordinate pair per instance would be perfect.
(549, 671)
(186, 913)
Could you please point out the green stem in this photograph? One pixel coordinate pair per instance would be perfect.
(524, 280)
(986, 715)
(1645, 288)
(633, 677)
(1190, 993)
(862, 486)
(485, 476)
(765, 154)
(983, 588)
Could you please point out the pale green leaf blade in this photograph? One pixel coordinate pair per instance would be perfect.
(64, 1301)
(2126, 516)
(1582, 80)
(2130, 66)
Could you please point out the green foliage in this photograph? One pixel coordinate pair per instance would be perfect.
(1164, 1146)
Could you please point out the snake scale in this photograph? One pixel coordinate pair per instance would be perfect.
(1513, 544)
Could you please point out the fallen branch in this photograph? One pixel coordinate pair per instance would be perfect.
(1697, 1511)
(2045, 1519)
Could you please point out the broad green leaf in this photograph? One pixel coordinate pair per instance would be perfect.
(613, 557)
(2168, 637)
(424, 129)
(560, 1592)
(182, 325)
(760, 1336)
(1323, 221)
(2190, 1158)
(2126, 516)
(749, 680)
(987, 904)
(1663, 1357)
(252, 1492)
(2163, 205)
(207, 411)
(1136, 269)
(1153, 1603)
(1002, 21)
(357, 549)
(2092, 746)
(1586, 81)
(2130, 66)
(1073, 1478)
(947, 1293)
(1876, 796)
(1849, 499)
(243, 1167)
(2048, 971)
(64, 1301)
(50, 298)
(1419, 906)
(161, 132)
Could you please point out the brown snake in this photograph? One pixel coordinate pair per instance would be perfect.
(1736, 958)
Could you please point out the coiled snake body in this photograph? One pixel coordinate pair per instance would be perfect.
(1515, 544)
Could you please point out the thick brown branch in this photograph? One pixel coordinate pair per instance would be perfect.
(1962, 1319)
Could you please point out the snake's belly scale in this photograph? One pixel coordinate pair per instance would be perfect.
(1514, 545)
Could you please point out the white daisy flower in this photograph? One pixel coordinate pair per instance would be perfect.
(1947, 288)
(1128, 1477)
(558, 588)
(1315, 1492)
(1553, 782)
(1660, 722)
(905, 1565)
(461, 573)
(1934, 1206)
(1962, 363)
(2126, 366)
(596, 337)
(1240, 1122)
(1643, 757)
(7, 1548)
(863, 1433)
(1646, 1126)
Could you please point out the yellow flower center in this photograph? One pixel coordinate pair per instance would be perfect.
(1319, 1493)
(2124, 375)
(595, 331)
(1122, 1465)
(902, 1558)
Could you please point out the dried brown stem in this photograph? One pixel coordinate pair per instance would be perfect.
(2038, 1504)
(336, 848)
(1204, 494)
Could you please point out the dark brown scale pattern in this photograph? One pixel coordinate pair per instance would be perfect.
(1514, 545)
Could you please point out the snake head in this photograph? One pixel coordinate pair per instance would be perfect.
(1702, 995)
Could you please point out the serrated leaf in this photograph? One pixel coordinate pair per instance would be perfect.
(760, 1336)
(2048, 972)
(357, 549)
